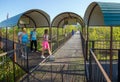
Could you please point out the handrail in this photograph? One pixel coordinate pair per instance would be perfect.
(100, 66)
(103, 40)
(3, 54)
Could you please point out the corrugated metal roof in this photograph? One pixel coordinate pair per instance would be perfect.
(36, 18)
(109, 14)
(65, 18)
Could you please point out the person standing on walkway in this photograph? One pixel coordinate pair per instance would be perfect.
(33, 39)
(19, 34)
(24, 40)
(73, 32)
(45, 43)
(19, 40)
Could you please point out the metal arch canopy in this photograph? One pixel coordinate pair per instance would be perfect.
(30, 18)
(67, 18)
(102, 14)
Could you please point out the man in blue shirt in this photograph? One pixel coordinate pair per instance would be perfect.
(33, 39)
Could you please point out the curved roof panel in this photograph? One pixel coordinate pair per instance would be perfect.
(102, 14)
(67, 18)
(30, 18)
(10, 21)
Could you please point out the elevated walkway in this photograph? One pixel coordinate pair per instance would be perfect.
(67, 67)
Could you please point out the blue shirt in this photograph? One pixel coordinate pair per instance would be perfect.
(33, 35)
(24, 38)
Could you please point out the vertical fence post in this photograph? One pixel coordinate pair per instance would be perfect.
(1, 38)
(51, 71)
(57, 37)
(61, 73)
(26, 54)
(50, 31)
(118, 65)
(14, 73)
(14, 44)
(90, 68)
(93, 44)
(14, 54)
(86, 50)
(7, 35)
(111, 50)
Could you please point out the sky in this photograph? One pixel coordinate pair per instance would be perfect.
(52, 7)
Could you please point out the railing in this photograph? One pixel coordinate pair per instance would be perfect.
(7, 45)
(102, 51)
(107, 55)
(104, 44)
(83, 45)
(56, 44)
(83, 41)
(97, 44)
(14, 65)
(96, 70)
(103, 55)
(22, 57)
(11, 64)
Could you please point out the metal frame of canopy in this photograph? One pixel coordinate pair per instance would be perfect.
(66, 18)
(103, 14)
(33, 18)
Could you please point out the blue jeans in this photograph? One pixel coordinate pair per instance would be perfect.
(24, 48)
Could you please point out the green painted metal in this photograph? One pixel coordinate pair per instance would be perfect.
(111, 13)
(102, 14)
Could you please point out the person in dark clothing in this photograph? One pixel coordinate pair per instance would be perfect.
(33, 40)
(72, 32)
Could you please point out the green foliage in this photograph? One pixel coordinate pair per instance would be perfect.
(79, 27)
(69, 28)
(116, 33)
(7, 72)
(103, 33)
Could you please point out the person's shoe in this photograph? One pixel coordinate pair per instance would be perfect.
(42, 56)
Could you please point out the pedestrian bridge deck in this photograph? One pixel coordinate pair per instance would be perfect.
(67, 67)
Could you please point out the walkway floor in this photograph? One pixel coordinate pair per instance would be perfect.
(67, 67)
(70, 52)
